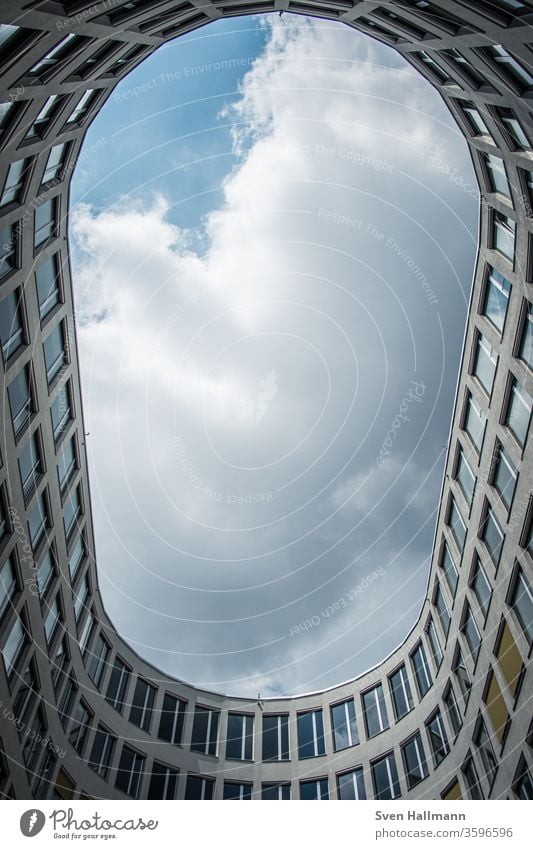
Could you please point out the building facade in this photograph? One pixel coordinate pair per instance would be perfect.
(449, 713)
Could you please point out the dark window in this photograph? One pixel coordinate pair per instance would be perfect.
(503, 235)
(474, 424)
(421, 670)
(102, 752)
(118, 683)
(486, 751)
(344, 725)
(472, 780)
(375, 711)
(143, 702)
(351, 785)
(496, 300)
(8, 249)
(61, 411)
(239, 743)
(526, 343)
(12, 336)
(72, 510)
(45, 222)
(204, 731)
(55, 163)
(275, 737)
(14, 184)
(311, 734)
(504, 475)
(519, 412)
(199, 788)
(471, 632)
(38, 521)
(465, 477)
(485, 362)
(438, 740)
(77, 557)
(461, 672)
(79, 728)
(97, 658)
(163, 782)
(385, 778)
(30, 464)
(130, 772)
(442, 609)
(48, 285)
(233, 790)
(276, 792)
(45, 573)
(172, 719)
(317, 789)
(414, 760)
(55, 352)
(492, 536)
(402, 699)
(452, 708)
(21, 400)
(481, 586)
(8, 585)
(25, 698)
(66, 463)
(457, 525)
(522, 603)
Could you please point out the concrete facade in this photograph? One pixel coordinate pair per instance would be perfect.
(59, 658)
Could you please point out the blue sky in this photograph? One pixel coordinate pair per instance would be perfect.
(270, 314)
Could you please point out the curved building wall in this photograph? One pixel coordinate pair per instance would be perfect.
(448, 714)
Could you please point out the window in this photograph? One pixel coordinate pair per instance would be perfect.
(77, 557)
(509, 659)
(476, 122)
(67, 47)
(172, 719)
(239, 743)
(45, 222)
(199, 788)
(344, 726)
(492, 536)
(461, 672)
(102, 752)
(8, 585)
(233, 790)
(434, 643)
(402, 699)
(516, 136)
(55, 163)
(465, 477)
(21, 400)
(496, 298)
(12, 336)
(44, 117)
(496, 706)
(66, 463)
(503, 235)
(61, 411)
(163, 782)
(385, 778)
(81, 598)
(351, 785)
(7, 111)
(24, 700)
(526, 343)
(97, 660)
(317, 789)
(275, 737)
(421, 670)
(276, 792)
(521, 601)
(33, 745)
(142, 704)
(38, 521)
(45, 573)
(523, 784)
(130, 772)
(472, 780)
(519, 412)
(452, 709)
(13, 646)
(72, 510)
(456, 525)
(204, 731)
(4, 525)
(52, 619)
(375, 711)
(504, 475)
(30, 465)
(55, 352)
(48, 285)
(311, 734)
(42, 782)
(79, 728)
(485, 362)
(470, 632)
(414, 760)
(449, 568)
(87, 632)
(58, 663)
(14, 184)
(437, 738)
(82, 107)
(118, 684)
(442, 609)
(496, 174)
(474, 423)
(511, 70)
(481, 586)
(67, 700)
(486, 752)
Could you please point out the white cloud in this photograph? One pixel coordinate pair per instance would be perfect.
(226, 520)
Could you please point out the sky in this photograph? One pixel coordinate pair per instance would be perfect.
(273, 232)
